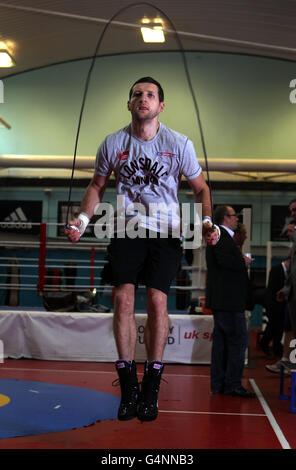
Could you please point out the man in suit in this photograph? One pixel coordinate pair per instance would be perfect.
(291, 281)
(275, 309)
(227, 294)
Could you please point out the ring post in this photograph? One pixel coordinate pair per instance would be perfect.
(42, 259)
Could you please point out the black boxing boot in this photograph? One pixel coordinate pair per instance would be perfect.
(148, 403)
(129, 386)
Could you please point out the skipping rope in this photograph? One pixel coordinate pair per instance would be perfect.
(86, 87)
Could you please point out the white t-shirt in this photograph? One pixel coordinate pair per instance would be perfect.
(148, 173)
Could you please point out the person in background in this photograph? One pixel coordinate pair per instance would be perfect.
(227, 291)
(240, 235)
(288, 292)
(290, 285)
(275, 309)
(288, 336)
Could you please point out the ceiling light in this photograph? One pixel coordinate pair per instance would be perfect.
(152, 30)
(5, 59)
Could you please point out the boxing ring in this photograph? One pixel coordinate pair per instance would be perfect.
(82, 331)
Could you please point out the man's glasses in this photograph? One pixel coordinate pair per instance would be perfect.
(232, 215)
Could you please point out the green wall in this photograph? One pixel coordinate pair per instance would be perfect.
(243, 100)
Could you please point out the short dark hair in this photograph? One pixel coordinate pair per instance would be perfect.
(149, 80)
(291, 202)
(220, 213)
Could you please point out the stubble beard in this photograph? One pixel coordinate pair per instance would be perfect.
(150, 116)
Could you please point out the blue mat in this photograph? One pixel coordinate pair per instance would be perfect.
(30, 408)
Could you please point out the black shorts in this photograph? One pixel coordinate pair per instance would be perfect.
(153, 262)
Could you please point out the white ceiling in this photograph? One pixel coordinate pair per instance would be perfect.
(44, 32)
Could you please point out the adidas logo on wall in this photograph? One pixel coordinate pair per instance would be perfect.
(17, 219)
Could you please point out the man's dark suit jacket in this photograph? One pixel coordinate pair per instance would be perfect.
(227, 286)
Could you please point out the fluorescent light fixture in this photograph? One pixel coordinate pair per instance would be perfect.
(152, 30)
(5, 59)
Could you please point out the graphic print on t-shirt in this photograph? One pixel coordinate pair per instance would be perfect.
(144, 170)
(148, 172)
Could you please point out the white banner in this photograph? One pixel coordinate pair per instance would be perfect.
(189, 340)
(89, 337)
